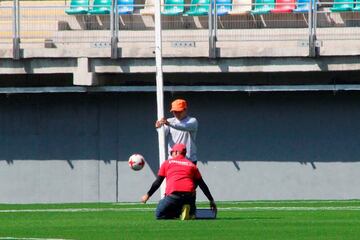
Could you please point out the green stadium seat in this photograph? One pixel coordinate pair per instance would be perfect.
(101, 7)
(263, 6)
(198, 8)
(78, 7)
(342, 6)
(173, 7)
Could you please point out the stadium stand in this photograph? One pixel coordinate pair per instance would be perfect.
(284, 6)
(125, 6)
(342, 6)
(263, 6)
(173, 7)
(100, 7)
(240, 7)
(302, 6)
(198, 8)
(223, 7)
(78, 7)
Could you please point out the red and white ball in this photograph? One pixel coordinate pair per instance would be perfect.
(136, 162)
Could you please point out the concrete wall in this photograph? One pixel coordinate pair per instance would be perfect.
(74, 147)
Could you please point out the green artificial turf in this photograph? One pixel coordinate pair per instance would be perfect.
(240, 220)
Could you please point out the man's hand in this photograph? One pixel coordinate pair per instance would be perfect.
(213, 206)
(161, 122)
(145, 198)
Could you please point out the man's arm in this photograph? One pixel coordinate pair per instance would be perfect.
(162, 122)
(156, 184)
(207, 193)
(191, 125)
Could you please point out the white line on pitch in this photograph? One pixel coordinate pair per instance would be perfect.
(16, 238)
(77, 210)
(347, 208)
(292, 201)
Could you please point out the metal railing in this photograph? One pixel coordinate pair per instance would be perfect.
(337, 31)
(318, 31)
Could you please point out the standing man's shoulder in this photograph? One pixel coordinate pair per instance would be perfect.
(190, 119)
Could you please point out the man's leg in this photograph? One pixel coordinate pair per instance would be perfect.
(168, 208)
(185, 212)
(189, 208)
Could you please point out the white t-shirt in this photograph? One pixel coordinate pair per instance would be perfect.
(182, 131)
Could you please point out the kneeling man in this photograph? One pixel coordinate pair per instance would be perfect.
(182, 178)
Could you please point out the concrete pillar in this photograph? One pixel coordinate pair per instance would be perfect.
(83, 75)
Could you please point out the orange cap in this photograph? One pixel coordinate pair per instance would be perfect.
(178, 105)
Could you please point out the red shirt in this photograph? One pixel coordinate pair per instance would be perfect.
(180, 174)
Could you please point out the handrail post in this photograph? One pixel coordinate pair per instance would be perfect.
(316, 42)
(114, 28)
(313, 48)
(16, 30)
(215, 26)
(310, 27)
(212, 44)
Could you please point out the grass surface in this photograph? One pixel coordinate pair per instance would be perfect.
(236, 220)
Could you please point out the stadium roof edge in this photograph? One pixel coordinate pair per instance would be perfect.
(228, 88)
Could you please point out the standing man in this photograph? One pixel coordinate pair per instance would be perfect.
(180, 129)
(182, 177)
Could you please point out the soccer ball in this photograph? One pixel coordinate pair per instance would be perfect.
(136, 162)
